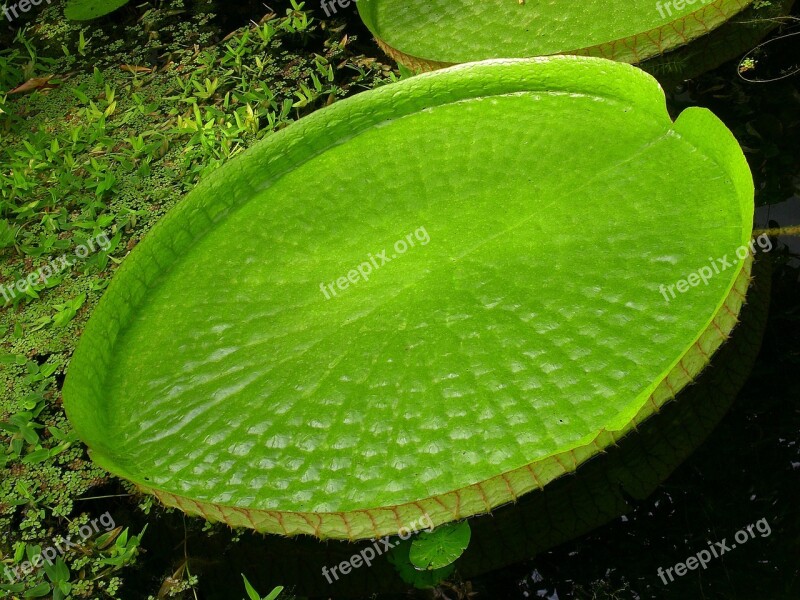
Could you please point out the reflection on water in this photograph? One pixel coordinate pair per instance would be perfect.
(776, 59)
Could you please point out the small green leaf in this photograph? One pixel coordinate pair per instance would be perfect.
(48, 369)
(10, 359)
(62, 571)
(68, 310)
(251, 592)
(274, 593)
(32, 551)
(105, 540)
(422, 580)
(440, 547)
(7, 234)
(16, 446)
(36, 456)
(39, 591)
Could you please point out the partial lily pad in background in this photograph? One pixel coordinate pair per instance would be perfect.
(307, 345)
(426, 35)
(441, 547)
(86, 10)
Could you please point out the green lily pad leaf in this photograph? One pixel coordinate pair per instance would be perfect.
(420, 579)
(438, 33)
(440, 547)
(421, 302)
(86, 10)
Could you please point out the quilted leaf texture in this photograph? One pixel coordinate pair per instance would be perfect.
(243, 364)
(430, 34)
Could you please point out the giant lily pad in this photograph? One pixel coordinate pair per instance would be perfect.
(430, 34)
(428, 299)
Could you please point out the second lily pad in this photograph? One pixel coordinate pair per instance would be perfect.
(431, 34)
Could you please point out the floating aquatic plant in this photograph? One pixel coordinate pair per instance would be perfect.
(437, 33)
(281, 353)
